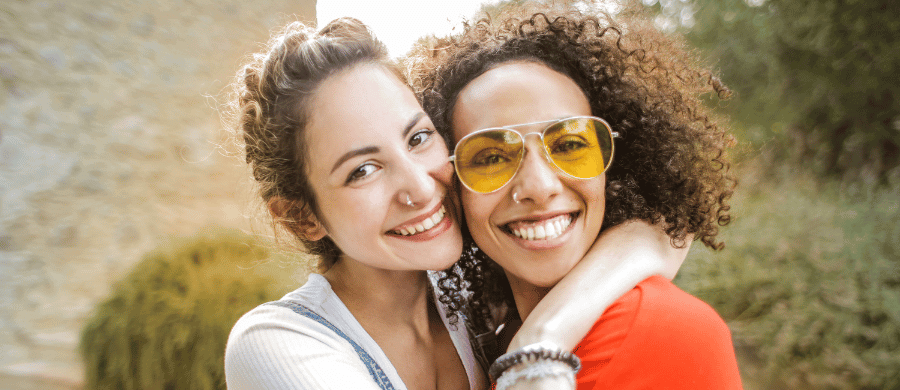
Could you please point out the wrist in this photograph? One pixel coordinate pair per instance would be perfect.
(544, 374)
(534, 353)
(528, 334)
(553, 329)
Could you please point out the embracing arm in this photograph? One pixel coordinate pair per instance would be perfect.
(622, 257)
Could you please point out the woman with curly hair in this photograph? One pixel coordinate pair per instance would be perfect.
(349, 164)
(536, 105)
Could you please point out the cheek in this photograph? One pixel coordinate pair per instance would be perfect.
(477, 208)
(352, 211)
(438, 165)
(445, 174)
(597, 189)
(594, 193)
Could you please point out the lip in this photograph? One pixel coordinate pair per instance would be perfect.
(420, 218)
(445, 224)
(544, 243)
(539, 217)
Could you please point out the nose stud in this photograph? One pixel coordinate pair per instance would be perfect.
(409, 202)
(516, 197)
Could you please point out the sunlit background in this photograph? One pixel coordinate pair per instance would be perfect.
(399, 23)
(131, 238)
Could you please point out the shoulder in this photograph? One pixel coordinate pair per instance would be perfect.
(678, 337)
(658, 309)
(270, 326)
(670, 312)
(272, 346)
(274, 324)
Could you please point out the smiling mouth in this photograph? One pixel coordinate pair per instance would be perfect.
(423, 226)
(541, 230)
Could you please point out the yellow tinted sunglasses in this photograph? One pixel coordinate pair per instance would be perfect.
(581, 147)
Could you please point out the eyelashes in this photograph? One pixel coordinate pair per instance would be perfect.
(419, 139)
(361, 172)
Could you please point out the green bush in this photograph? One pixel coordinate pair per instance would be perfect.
(809, 283)
(166, 323)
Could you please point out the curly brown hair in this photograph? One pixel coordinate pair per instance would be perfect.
(273, 95)
(671, 163)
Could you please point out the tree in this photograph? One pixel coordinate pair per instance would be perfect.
(820, 78)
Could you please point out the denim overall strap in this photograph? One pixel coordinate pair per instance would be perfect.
(374, 369)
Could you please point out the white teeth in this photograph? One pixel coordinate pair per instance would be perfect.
(426, 224)
(544, 231)
(539, 232)
(550, 230)
(436, 218)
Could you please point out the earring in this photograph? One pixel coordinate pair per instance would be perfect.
(516, 197)
(409, 202)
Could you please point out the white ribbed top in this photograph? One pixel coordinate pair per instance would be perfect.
(272, 347)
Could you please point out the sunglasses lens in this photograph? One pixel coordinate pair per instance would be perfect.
(582, 147)
(487, 160)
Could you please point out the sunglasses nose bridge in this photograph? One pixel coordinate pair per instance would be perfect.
(534, 133)
(540, 147)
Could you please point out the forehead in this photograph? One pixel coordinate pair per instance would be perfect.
(514, 93)
(366, 95)
(356, 108)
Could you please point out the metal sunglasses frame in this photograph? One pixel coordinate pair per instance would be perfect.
(551, 122)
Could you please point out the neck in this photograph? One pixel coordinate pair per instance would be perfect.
(369, 293)
(526, 295)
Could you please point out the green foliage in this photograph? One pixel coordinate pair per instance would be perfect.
(817, 79)
(166, 323)
(809, 283)
(842, 67)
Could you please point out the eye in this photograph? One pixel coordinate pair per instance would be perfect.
(568, 144)
(360, 173)
(489, 157)
(420, 137)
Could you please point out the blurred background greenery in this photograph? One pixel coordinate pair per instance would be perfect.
(809, 280)
(166, 323)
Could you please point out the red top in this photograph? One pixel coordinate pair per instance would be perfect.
(657, 336)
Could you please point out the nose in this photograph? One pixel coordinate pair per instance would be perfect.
(536, 181)
(422, 178)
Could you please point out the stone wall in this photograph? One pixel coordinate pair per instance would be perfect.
(109, 143)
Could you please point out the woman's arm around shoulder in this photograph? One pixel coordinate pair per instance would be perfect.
(622, 256)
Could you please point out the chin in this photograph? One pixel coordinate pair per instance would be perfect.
(546, 282)
(540, 279)
(443, 259)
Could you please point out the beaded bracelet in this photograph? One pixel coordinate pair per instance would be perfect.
(539, 369)
(538, 351)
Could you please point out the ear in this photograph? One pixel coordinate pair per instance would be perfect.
(297, 218)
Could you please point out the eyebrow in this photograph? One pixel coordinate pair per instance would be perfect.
(412, 123)
(374, 149)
